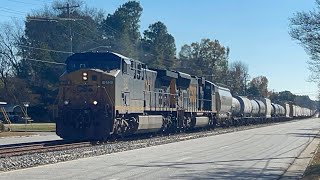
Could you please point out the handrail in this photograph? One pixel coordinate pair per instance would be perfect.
(6, 117)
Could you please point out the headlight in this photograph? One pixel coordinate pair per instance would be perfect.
(95, 102)
(85, 76)
(66, 102)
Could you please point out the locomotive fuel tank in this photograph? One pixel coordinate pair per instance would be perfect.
(147, 124)
(201, 122)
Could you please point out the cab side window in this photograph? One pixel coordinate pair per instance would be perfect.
(139, 71)
(124, 67)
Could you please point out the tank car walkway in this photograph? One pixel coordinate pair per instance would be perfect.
(257, 153)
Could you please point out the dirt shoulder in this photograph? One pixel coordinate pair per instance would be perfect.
(313, 170)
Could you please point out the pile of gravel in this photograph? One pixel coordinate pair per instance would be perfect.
(31, 160)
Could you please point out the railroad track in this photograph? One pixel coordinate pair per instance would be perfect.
(39, 147)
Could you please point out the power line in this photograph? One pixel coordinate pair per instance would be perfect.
(50, 62)
(44, 49)
(41, 19)
(100, 45)
(84, 36)
(118, 32)
(22, 2)
(12, 11)
(310, 92)
(83, 25)
(45, 19)
(14, 17)
(49, 19)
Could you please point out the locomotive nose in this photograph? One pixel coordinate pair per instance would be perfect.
(83, 120)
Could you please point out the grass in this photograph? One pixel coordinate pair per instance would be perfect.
(313, 170)
(33, 127)
(9, 134)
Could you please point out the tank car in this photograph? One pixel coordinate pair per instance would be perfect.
(255, 108)
(268, 107)
(224, 105)
(244, 115)
(262, 111)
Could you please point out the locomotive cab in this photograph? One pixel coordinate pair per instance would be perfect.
(86, 103)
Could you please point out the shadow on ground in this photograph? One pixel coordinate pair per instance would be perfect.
(228, 169)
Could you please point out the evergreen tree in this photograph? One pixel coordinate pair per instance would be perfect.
(121, 29)
(159, 46)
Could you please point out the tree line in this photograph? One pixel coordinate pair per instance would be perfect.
(32, 53)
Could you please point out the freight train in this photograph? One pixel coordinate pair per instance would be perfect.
(103, 95)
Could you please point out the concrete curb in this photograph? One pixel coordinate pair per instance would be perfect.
(299, 165)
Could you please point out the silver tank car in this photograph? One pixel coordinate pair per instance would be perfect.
(275, 110)
(267, 103)
(255, 108)
(262, 108)
(278, 110)
(236, 108)
(282, 110)
(245, 106)
(287, 109)
(224, 102)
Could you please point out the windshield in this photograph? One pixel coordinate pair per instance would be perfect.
(91, 61)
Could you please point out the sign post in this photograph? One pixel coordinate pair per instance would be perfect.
(26, 105)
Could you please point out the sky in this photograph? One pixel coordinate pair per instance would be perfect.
(255, 31)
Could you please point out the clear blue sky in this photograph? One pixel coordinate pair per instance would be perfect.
(256, 32)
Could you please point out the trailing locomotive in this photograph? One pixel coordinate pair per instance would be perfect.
(107, 94)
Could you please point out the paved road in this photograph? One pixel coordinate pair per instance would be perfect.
(258, 153)
(48, 136)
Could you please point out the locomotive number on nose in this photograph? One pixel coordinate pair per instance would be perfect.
(107, 82)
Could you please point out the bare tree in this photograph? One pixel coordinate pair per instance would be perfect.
(259, 86)
(238, 75)
(305, 28)
(10, 36)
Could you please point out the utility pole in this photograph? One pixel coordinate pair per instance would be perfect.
(69, 7)
(245, 83)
